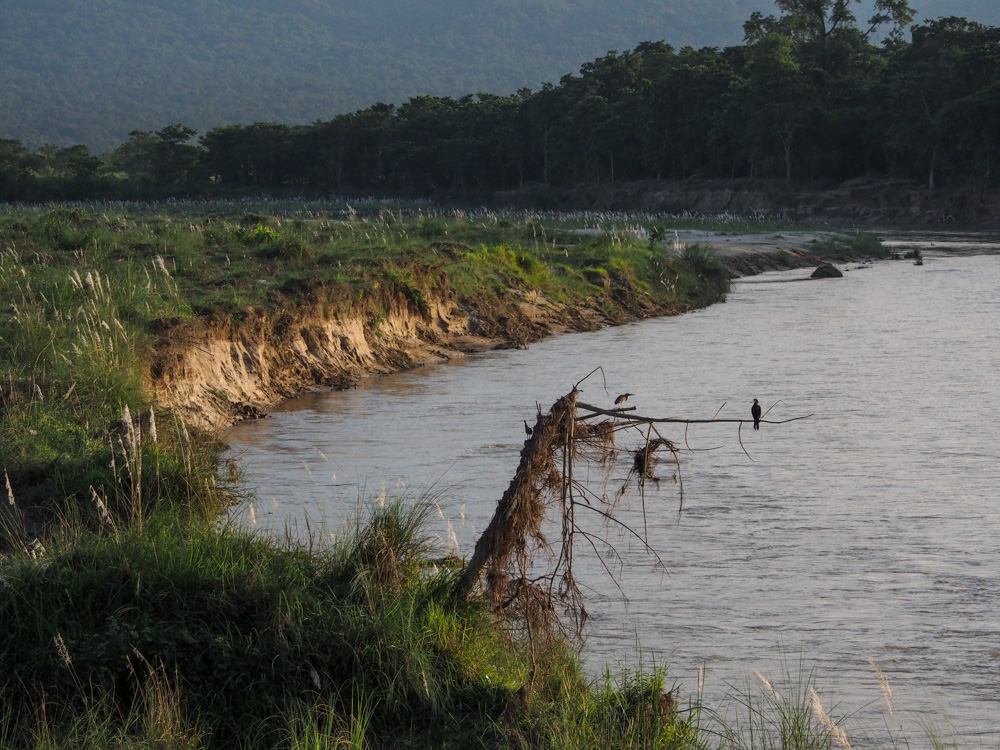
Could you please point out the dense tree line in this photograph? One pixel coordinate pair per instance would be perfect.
(90, 71)
(807, 97)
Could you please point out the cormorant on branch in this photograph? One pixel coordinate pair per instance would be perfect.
(755, 411)
(622, 398)
(527, 430)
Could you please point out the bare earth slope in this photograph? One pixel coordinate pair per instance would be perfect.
(217, 373)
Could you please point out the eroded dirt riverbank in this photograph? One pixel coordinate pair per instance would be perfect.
(216, 373)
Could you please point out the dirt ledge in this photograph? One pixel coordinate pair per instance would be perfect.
(215, 373)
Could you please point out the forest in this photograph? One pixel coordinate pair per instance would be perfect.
(90, 71)
(808, 97)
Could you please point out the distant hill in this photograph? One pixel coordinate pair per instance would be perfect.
(90, 71)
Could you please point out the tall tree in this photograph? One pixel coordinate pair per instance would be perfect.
(815, 21)
(261, 155)
(944, 92)
(162, 162)
(775, 97)
(14, 177)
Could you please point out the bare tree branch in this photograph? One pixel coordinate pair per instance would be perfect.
(675, 420)
(546, 492)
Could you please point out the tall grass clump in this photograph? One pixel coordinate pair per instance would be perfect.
(77, 426)
(789, 715)
(704, 278)
(249, 633)
(630, 710)
(508, 266)
(154, 718)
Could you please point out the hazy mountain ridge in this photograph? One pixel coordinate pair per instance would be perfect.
(91, 72)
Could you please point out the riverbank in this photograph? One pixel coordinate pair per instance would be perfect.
(131, 336)
(773, 553)
(217, 370)
(198, 317)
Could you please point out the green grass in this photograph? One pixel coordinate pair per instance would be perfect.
(251, 630)
(226, 262)
(74, 346)
(860, 245)
(218, 638)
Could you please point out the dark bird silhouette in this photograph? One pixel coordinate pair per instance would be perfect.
(527, 430)
(755, 411)
(622, 398)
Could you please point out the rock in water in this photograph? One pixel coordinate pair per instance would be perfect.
(826, 271)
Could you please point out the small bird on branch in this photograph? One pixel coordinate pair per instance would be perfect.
(527, 430)
(622, 398)
(755, 412)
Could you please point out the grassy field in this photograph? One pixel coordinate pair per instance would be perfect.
(133, 619)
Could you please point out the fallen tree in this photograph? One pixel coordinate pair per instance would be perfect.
(546, 495)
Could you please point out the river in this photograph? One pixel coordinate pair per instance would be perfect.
(867, 531)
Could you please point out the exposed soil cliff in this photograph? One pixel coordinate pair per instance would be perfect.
(217, 372)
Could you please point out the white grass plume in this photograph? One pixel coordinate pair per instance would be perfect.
(770, 688)
(62, 650)
(884, 684)
(102, 509)
(838, 735)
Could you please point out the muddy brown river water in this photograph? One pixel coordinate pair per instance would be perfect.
(868, 531)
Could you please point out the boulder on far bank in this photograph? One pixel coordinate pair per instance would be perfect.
(826, 271)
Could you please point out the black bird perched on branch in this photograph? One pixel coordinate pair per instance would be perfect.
(755, 411)
(527, 430)
(622, 398)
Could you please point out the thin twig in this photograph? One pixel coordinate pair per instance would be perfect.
(609, 412)
(600, 559)
(739, 436)
(779, 401)
(576, 386)
(587, 491)
(680, 476)
(678, 420)
(627, 528)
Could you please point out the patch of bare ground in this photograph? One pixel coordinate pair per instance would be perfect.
(750, 263)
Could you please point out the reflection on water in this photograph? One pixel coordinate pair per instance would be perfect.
(868, 530)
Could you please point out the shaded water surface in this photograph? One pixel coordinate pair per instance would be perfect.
(869, 530)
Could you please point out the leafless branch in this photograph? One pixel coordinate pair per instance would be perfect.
(545, 494)
(739, 435)
(677, 420)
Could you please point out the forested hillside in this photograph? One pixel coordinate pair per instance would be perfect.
(812, 95)
(89, 72)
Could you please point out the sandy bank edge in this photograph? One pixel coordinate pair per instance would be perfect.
(215, 374)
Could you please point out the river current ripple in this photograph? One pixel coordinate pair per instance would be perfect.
(868, 531)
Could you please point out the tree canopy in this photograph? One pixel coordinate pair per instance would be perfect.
(90, 72)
